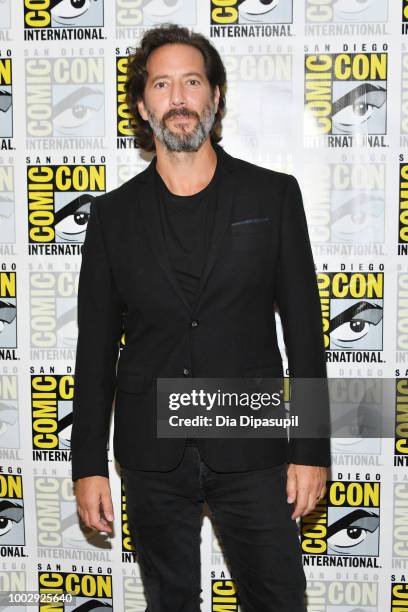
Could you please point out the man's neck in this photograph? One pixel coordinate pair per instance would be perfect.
(186, 173)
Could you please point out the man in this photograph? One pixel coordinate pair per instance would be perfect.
(192, 253)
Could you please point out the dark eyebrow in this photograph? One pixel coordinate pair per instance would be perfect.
(351, 96)
(73, 206)
(168, 76)
(349, 519)
(346, 315)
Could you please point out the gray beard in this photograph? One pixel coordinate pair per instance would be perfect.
(184, 142)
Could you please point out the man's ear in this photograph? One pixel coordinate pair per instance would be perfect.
(142, 109)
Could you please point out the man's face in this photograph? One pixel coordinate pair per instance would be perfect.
(178, 102)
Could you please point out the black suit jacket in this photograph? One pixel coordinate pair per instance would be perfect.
(126, 275)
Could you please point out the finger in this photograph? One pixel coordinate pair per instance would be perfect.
(96, 522)
(107, 507)
(301, 503)
(291, 487)
(311, 504)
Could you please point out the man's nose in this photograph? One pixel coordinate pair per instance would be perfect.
(177, 95)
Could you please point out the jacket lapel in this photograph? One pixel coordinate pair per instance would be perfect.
(149, 207)
(226, 187)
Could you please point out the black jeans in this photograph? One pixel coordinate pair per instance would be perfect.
(250, 512)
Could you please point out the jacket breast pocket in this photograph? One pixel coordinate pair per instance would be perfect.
(131, 382)
(252, 235)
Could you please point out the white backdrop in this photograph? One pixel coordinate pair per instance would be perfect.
(317, 88)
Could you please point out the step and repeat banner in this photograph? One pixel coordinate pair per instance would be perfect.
(317, 88)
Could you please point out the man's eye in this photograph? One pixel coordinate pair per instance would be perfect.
(160, 84)
(194, 82)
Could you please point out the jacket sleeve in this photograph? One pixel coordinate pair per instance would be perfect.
(300, 311)
(99, 317)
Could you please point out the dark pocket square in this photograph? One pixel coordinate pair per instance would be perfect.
(257, 220)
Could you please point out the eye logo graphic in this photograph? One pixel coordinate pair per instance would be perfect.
(346, 93)
(352, 310)
(11, 510)
(8, 309)
(346, 11)
(6, 98)
(227, 12)
(63, 13)
(59, 200)
(346, 522)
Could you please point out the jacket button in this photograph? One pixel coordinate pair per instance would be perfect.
(186, 372)
(194, 323)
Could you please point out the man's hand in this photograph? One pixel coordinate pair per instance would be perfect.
(306, 484)
(94, 502)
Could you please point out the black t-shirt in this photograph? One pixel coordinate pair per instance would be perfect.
(187, 223)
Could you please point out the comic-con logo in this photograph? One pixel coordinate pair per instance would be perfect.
(59, 200)
(251, 79)
(6, 98)
(399, 523)
(53, 296)
(8, 312)
(399, 596)
(57, 522)
(352, 312)
(403, 210)
(355, 596)
(345, 12)
(63, 19)
(401, 422)
(9, 415)
(91, 591)
(346, 95)
(223, 594)
(402, 317)
(7, 212)
(124, 130)
(345, 202)
(345, 523)
(51, 411)
(11, 514)
(64, 97)
(152, 12)
(251, 18)
(128, 549)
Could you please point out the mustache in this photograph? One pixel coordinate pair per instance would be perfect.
(177, 112)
